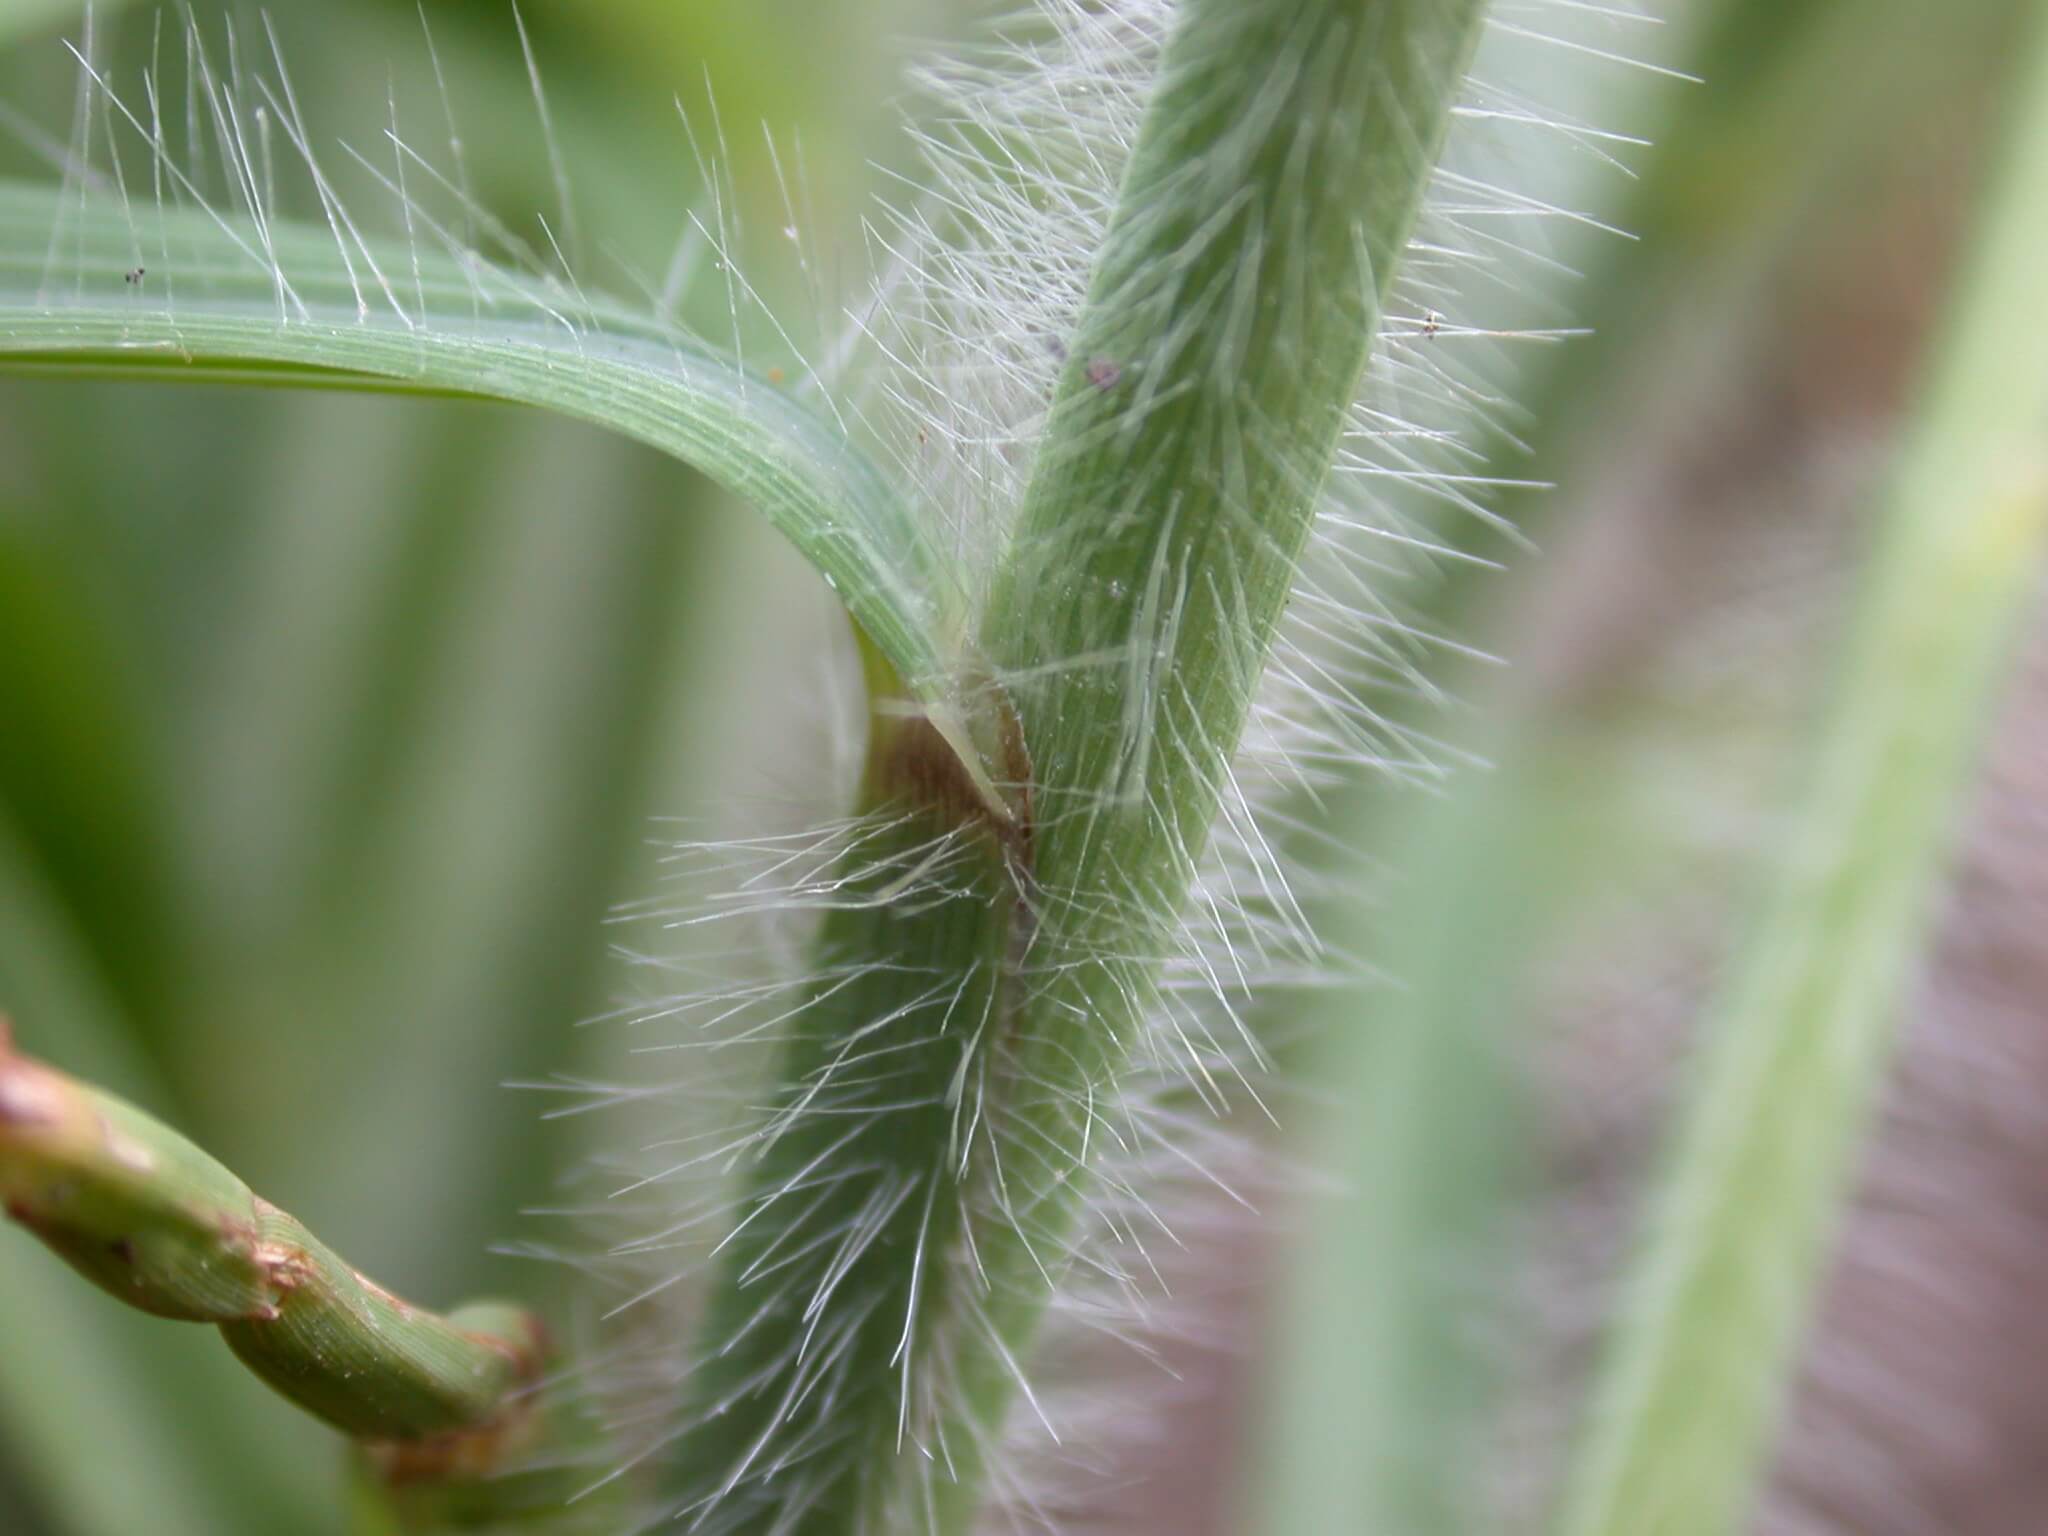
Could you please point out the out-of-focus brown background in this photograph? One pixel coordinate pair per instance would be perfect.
(332, 729)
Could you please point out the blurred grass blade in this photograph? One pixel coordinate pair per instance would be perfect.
(91, 283)
(25, 18)
(1381, 1373)
(1796, 1054)
(1379, 1383)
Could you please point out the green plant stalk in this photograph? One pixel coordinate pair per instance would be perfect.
(1380, 1375)
(1262, 220)
(110, 1432)
(1379, 1382)
(1274, 183)
(152, 1220)
(1796, 1053)
(541, 1478)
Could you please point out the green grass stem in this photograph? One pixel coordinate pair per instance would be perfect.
(155, 1222)
(1796, 1052)
(1274, 182)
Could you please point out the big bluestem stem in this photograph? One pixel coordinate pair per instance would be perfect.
(916, 1191)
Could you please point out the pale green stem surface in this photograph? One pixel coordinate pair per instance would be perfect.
(873, 1323)
(1380, 1372)
(151, 1219)
(74, 1359)
(1796, 1053)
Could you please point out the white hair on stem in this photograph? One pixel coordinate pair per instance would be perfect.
(943, 371)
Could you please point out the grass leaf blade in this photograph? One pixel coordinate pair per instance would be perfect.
(1797, 1052)
(92, 285)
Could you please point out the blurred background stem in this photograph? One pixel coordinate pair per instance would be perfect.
(1795, 1053)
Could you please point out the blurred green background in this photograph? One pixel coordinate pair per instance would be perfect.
(332, 729)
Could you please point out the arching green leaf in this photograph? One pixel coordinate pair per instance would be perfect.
(92, 282)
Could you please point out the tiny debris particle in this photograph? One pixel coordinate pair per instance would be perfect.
(1432, 322)
(128, 1153)
(133, 276)
(1104, 372)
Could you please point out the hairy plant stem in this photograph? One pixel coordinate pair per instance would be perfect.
(1797, 1051)
(909, 1218)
